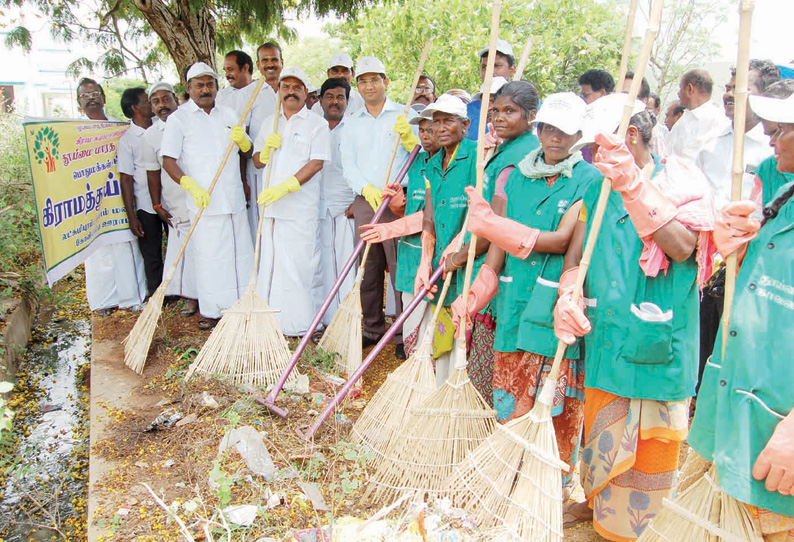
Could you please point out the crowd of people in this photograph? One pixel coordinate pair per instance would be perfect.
(642, 336)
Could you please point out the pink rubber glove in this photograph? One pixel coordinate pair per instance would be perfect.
(517, 239)
(648, 208)
(734, 228)
(378, 233)
(570, 321)
(482, 291)
(776, 461)
(397, 201)
(425, 268)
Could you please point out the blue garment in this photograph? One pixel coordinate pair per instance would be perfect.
(473, 112)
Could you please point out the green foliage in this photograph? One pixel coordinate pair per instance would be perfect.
(323, 360)
(355, 458)
(113, 90)
(223, 481)
(570, 36)
(19, 37)
(311, 54)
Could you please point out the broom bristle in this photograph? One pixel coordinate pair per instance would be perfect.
(453, 421)
(137, 343)
(246, 346)
(343, 335)
(404, 389)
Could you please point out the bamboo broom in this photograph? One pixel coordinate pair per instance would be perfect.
(137, 343)
(455, 418)
(343, 335)
(247, 345)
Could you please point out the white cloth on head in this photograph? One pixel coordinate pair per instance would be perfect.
(131, 162)
(115, 276)
(695, 129)
(715, 160)
(336, 238)
(224, 258)
(354, 103)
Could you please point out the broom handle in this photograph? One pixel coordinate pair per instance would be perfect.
(522, 62)
(624, 60)
(739, 118)
(229, 148)
(606, 188)
(270, 400)
(258, 243)
(376, 350)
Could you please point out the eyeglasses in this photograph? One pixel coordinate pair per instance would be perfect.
(365, 82)
(584, 95)
(420, 90)
(89, 95)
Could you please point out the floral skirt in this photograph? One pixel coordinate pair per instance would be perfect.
(480, 355)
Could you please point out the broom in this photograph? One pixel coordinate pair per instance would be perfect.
(137, 343)
(723, 516)
(504, 479)
(455, 418)
(247, 345)
(624, 60)
(343, 335)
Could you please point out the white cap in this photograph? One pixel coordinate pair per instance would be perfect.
(161, 85)
(460, 93)
(603, 117)
(297, 73)
(774, 109)
(501, 47)
(369, 64)
(563, 110)
(496, 83)
(198, 69)
(419, 118)
(446, 103)
(340, 59)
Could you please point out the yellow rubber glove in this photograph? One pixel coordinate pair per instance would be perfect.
(200, 196)
(239, 137)
(271, 195)
(373, 196)
(407, 137)
(273, 141)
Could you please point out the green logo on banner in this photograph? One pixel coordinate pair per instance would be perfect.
(45, 148)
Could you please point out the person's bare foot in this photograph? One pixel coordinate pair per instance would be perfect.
(576, 513)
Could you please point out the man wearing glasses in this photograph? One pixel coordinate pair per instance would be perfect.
(425, 93)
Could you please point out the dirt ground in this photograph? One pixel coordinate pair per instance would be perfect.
(177, 462)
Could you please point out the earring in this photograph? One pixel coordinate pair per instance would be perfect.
(633, 141)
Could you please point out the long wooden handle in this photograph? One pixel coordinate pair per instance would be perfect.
(606, 185)
(739, 118)
(624, 60)
(522, 62)
(229, 148)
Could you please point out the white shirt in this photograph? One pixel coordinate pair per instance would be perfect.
(264, 107)
(694, 129)
(336, 193)
(367, 144)
(173, 197)
(658, 144)
(198, 141)
(304, 137)
(716, 162)
(354, 103)
(130, 157)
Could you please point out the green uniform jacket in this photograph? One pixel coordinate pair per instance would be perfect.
(747, 392)
(629, 353)
(409, 248)
(528, 288)
(771, 178)
(450, 202)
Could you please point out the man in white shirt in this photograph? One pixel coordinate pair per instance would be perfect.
(701, 122)
(341, 65)
(169, 201)
(296, 153)
(195, 139)
(336, 236)
(144, 222)
(367, 142)
(270, 61)
(114, 274)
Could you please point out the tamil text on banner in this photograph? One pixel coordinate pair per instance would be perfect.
(77, 189)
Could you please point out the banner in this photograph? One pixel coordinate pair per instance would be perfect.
(77, 189)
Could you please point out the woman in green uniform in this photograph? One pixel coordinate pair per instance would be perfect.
(540, 203)
(641, 329)
(745, 417)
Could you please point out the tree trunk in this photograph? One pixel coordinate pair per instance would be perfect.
(188, 35)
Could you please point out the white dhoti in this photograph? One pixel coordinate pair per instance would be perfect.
(183, 284)
(115, 276)
(223, 255)
(336, 238)
(253, 178)
(286, 271)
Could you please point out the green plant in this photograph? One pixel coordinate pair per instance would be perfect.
(355, 459)
(319, 358)
(223, 481)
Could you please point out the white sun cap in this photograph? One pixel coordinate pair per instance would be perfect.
(446, 103)
(417, 120)
(774, 109)
(603, 117)
(496, 83)
(198, 69)
(501, 47)
(563, 110)
(340, 59)
(369, 64)
(161, 85)
(297, 73)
